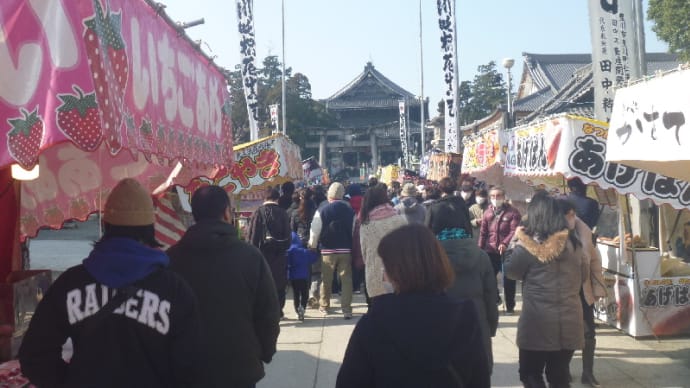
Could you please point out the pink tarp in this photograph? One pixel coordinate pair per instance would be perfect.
(101, 90)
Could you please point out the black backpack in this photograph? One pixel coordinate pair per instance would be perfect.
(273, 241)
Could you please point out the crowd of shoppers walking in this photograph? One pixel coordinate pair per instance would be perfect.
(440, 247)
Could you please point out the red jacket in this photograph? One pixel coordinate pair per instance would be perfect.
(498, 230)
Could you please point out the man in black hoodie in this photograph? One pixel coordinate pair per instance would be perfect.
(132, 321)
(237, 296)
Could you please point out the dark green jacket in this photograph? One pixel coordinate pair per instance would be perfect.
(474, 280)
(237, 300)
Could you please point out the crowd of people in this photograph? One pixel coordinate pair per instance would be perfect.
(206, 312)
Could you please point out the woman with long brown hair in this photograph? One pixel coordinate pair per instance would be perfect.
(417, 336)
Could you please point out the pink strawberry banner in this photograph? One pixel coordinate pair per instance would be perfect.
(116, 74)
(74, 183)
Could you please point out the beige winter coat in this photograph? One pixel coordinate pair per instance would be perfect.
(593, 285)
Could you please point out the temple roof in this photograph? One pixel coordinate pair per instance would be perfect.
(370, 89)
(573, 94)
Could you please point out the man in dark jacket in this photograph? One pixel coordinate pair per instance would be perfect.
(586, 208)
(497, 229)
(448, 217)
(269, 230)
(145, 335)
(234, 286)
(331, 232)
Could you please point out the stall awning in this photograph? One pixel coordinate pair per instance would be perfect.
(650, 126)
(576, 147)
(265, 162)
(94, 91)
(484, 157)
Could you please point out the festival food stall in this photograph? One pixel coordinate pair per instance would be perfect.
(93, 92)
(442, 164)
(484, 155)
(265, 162)
(566, 146)
(648, 121)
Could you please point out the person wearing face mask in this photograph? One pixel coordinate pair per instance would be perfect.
(477, 211)
(467, 192)
(498, 225)
(593, 287)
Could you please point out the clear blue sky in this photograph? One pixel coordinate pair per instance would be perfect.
(330, 41)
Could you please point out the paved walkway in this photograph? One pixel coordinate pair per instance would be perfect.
(310, 352)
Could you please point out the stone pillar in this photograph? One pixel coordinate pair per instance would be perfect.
(374, 153)
(322, 150)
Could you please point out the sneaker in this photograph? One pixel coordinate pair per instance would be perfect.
(313, 303)
(323, 310)
(300, 313)
(347, 315)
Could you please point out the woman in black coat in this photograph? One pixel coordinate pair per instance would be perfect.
(417, 336)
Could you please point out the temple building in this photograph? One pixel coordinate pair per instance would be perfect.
(368, 132)
(556, 83)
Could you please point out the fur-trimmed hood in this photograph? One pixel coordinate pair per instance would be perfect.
(546, 251)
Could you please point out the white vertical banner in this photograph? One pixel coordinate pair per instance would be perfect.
(403, 131)
(245, 26)
(274, 117)
(446, 22)
(615, 55)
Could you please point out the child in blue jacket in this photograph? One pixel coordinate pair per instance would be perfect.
(299, 261)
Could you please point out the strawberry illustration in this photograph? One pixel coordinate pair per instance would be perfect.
(146, 139)
(53, 217)
(79, 120)
(105, 50)
(24, 138)
(132, 136)
(78, 209)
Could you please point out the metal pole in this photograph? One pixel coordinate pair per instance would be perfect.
(640, 46)
(283, 81)
(510, 94)
(421, 76)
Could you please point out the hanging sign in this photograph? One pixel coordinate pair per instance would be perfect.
(615, 54)
(269, 161)
(250, 80)
(446, 23)
(576, 147)
(481, 151)
(649, 126)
